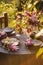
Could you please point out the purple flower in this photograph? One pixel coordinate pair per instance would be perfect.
(18, 17)
(27, 13)
(13, 47)
(28, 42)
(33, 18)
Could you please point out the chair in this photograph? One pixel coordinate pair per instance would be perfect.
(4, 20)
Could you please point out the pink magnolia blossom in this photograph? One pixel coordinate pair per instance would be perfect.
(27, 13)
(13, 47)
(29, 42)
(33, 18)
(18, 17)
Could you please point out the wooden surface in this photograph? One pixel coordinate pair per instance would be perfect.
(4, 19)
(29, 59)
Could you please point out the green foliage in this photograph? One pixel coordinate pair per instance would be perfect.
(10, 8)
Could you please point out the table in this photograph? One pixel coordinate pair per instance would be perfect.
(24, 56)
(23, 49)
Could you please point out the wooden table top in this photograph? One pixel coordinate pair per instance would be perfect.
(23, 49)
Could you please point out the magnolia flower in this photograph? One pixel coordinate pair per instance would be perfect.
(13, 47)
(28, 42)
(34, 19)
(18, 17)
(27, 13)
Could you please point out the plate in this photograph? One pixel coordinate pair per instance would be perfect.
(10, 44)
(9, 41)
(8, 30)
(37, 42)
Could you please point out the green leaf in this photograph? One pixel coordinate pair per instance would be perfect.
(40, 51)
